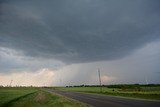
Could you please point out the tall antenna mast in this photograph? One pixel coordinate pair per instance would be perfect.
(99, 75)
(60, 80)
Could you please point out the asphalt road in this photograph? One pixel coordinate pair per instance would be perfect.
(107, 101)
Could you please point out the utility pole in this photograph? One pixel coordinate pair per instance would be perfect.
(10, 83)
(146, 80)
(99, 74)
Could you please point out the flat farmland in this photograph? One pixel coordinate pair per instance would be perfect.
(33, 97)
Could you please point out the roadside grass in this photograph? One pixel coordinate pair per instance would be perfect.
(152, 93)
(9, 94)
(17, 97)
(46, 99)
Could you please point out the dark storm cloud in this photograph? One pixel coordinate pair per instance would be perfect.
(78, 30)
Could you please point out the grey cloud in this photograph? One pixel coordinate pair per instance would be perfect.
(78, 30)
(13, 61)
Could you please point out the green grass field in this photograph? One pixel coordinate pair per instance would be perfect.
(143, 92)
(34, 97)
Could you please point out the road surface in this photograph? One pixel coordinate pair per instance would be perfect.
(107, 101)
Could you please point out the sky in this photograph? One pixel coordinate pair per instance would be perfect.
(64, 42)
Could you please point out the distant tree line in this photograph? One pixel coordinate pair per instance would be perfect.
(119, 85)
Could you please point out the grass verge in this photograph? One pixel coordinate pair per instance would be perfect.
(35, 98)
